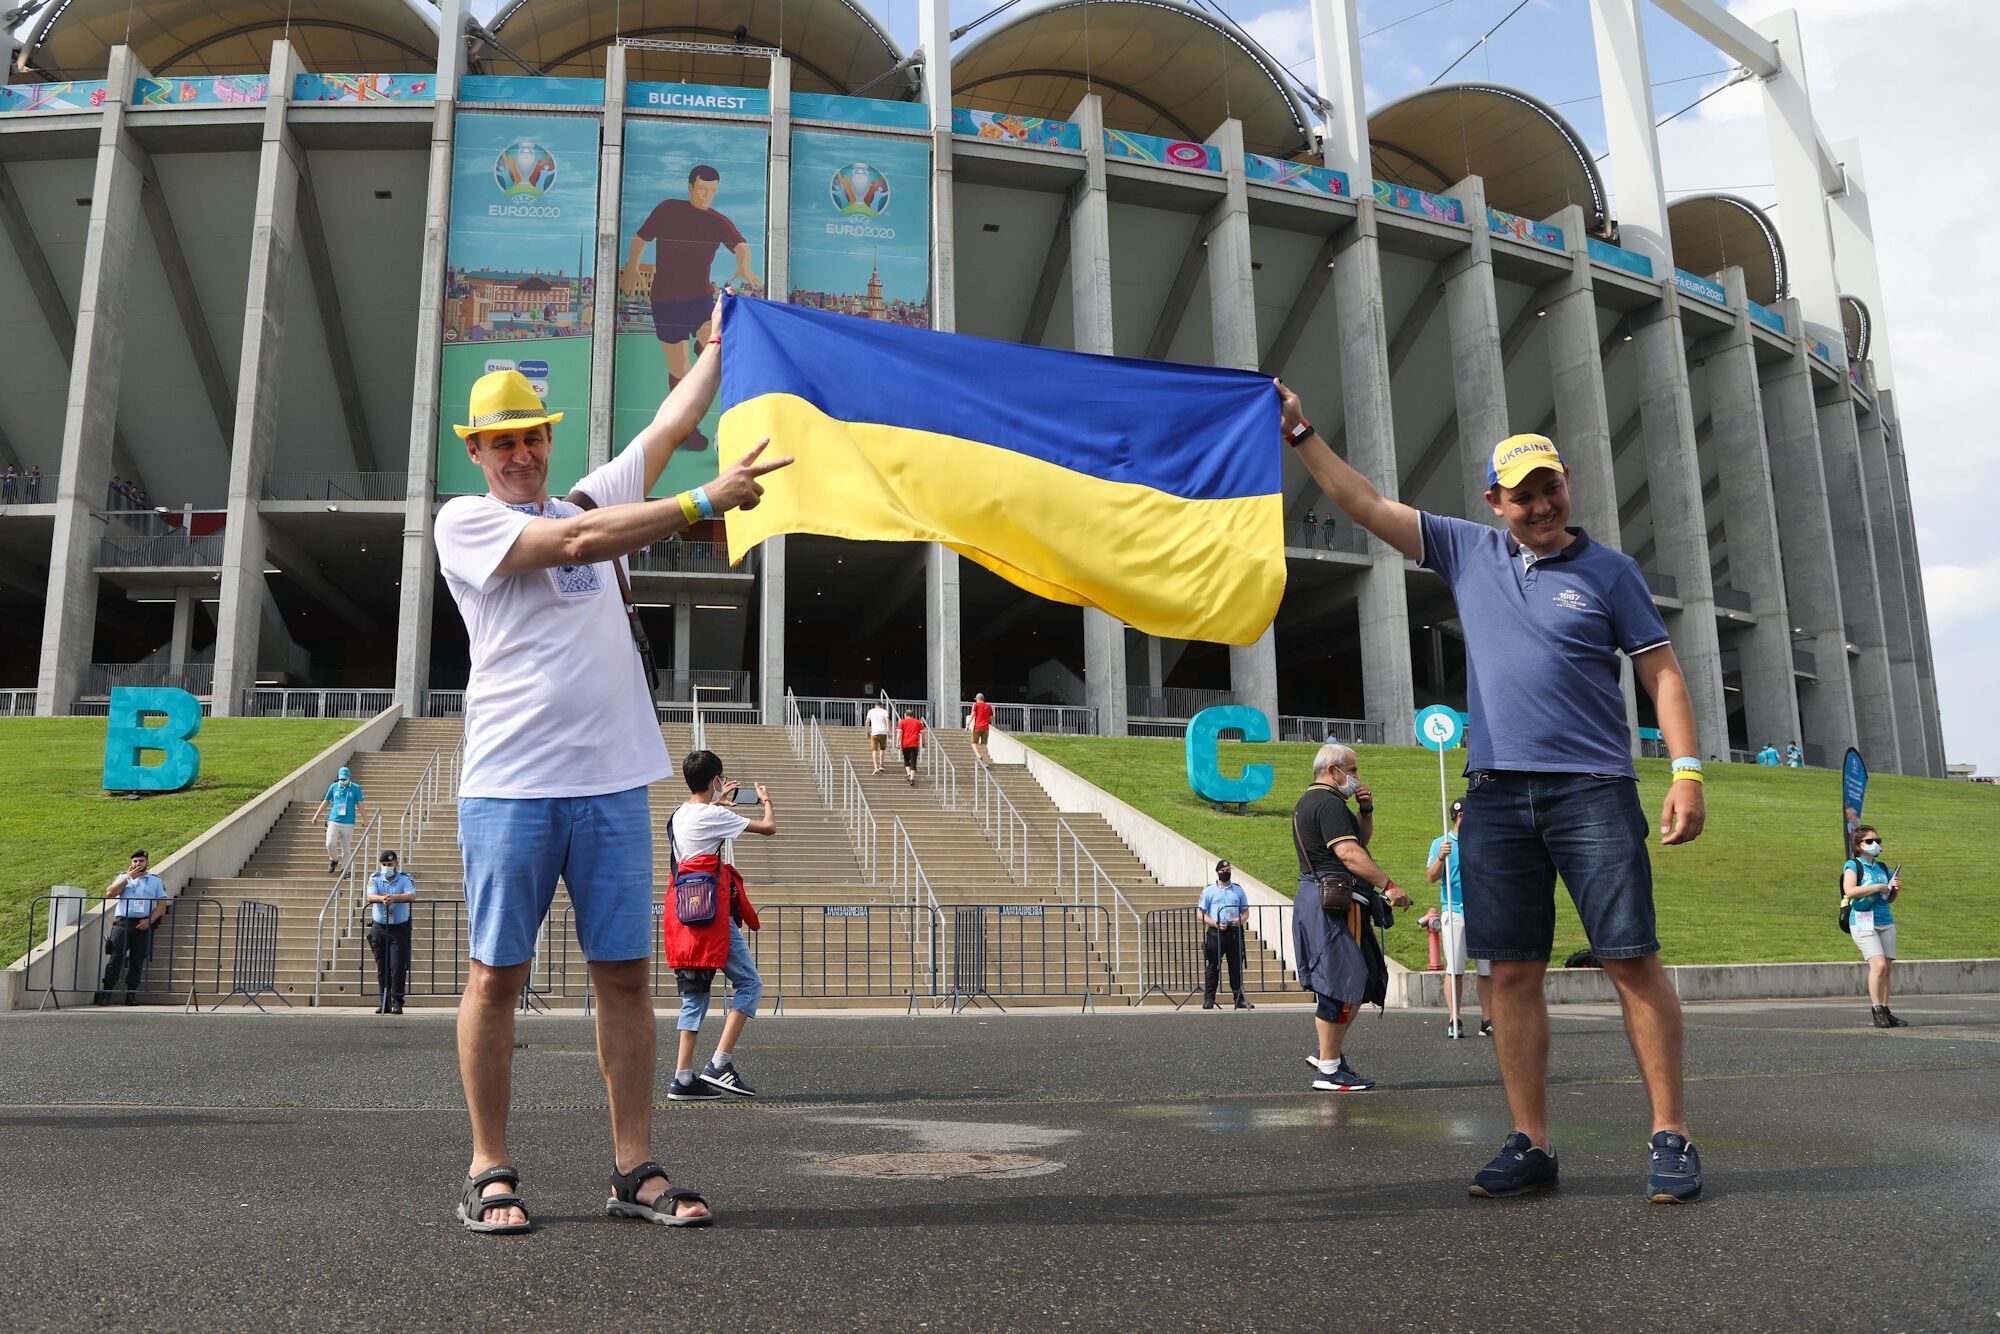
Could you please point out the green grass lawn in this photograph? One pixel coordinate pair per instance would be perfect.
(58, 827)
(1757, 887)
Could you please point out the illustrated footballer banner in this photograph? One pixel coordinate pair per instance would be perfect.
(861, 226)
(692, 216)
(519, 266)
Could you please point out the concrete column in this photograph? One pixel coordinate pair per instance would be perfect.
(604, 308)
(1860, 587)
(1913, 585)
(1232, 305)
(418, 584)
(1090, 296)
(683, 633)
(239, 619)
(943, 633)
(1680, 526)
(184, 608)
(778, 286)
(1388, 690)
(1879, 496)
(1478, 375)
(1806, 543)
(1750, 517)
(90, 421)
(1582, 416)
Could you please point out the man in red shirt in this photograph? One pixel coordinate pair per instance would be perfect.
(911, 730)
(982, 719)
(686, 233)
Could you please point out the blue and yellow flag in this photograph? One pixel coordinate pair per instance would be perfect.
(1146, 489)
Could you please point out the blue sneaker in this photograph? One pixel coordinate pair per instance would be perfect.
(1340, 1077)
(1676, 1174)
(1518, 1169)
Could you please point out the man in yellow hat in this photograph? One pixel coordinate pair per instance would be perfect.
(560, 742)
(1550, 785)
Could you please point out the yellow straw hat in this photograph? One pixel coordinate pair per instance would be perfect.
(505, 399)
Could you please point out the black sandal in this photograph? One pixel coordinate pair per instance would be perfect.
(624, 1201)
(473, 1207)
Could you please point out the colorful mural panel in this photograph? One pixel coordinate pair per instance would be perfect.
(1166, 152)
(363, 88)
(1032, 131)
(519, 277)
(1422, 203)
(1294, 175)
(861, 226)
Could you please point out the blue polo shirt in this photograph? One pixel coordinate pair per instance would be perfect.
(1542, 639)
(391, 914)
(139, 897)
(345, 796)
(1225, 903)
(1451, 890)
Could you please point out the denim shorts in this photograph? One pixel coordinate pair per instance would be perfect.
(1523, 830)
(515, 848)
(746, 982)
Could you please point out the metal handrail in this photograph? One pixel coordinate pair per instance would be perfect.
(914, 899)
(859, 818)
(1100, 880)
(1001, 821)
(795, 726)
(820, 760)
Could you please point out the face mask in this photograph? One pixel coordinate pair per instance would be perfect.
(1872, 848)
(1350, 787)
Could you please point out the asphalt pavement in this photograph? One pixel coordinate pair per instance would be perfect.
(1117, 1170)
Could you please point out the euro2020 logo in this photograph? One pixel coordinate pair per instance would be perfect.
(858, 188)
(525, 170)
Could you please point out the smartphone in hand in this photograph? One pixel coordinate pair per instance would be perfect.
(745, 795)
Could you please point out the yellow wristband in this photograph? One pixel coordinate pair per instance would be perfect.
(689, 509)
(1692, 775)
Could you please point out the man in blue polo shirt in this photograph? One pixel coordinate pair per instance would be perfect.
(1550, 785)
(344, 795)
(1222, 907)
(142, 902)
(390, 894)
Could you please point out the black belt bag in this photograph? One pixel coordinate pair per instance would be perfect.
(1336, 888)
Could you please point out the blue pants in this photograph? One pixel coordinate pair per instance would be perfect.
(741, 971)
(515, 849)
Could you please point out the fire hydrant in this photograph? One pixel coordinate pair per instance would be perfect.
(1432, 924)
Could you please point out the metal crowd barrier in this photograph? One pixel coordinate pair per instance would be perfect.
(1176, 965)
(254, 970)
(437, 950)
(1027, 949)
(66, 944)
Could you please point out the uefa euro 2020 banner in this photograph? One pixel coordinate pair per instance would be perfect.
(692, 215)
(518, 278)
(861, 226)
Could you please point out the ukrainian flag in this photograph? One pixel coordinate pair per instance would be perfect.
(1146, 489)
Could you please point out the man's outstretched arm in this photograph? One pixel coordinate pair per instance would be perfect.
(682, 409)
(1394, 522)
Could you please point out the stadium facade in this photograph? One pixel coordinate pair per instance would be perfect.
(255, 252)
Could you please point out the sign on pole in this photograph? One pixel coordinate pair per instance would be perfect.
(1439, 728)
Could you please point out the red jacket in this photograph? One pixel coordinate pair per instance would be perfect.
(707, 946)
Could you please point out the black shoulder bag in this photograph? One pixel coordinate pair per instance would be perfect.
(639, 640)
(1336, 888)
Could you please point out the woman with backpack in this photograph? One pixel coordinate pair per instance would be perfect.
(701, 927)
(1867, 889)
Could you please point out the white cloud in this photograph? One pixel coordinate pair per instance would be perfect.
(1288, 35)
(1962, 596)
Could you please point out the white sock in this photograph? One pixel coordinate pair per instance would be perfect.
(683, 1076)
(721, 1060)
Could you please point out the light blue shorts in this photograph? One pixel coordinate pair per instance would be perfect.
(741, 970)
(515, 848)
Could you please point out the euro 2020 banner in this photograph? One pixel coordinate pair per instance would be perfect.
(692, 215)
(861, 226)
(518, 278)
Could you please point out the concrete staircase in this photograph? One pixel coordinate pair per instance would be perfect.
(829, 927)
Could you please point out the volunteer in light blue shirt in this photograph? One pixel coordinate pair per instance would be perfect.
(1442, 870)
(390, 892)
(1768, 755)
(1223, 908)
(141, 903)
(344, 797)
(1868, 887)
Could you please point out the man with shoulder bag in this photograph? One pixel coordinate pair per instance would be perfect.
(1343, 899)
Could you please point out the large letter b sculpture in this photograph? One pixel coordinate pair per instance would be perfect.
(127, 736)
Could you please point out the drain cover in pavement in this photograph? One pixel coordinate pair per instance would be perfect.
(941, 1166)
